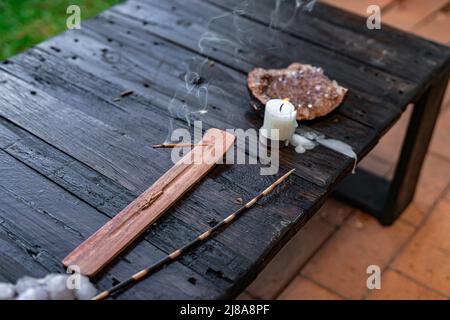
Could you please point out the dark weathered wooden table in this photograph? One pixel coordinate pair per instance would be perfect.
(72, 157)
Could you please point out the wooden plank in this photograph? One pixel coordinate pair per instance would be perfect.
(318, 154)
(91, 159)
(360, 113)
(102, 193)
(110, 240)
(346, 33)
(26, 106)
(19, 258)
(109, 171)
(169, 229)
(350, 73)
(73, 176)
(421, 50)
(240, 110)
(426, 54)
(364, 48)
(148, 104)
(240, 117)
(136, 116)
(375, 109)
(214, 260)
(330, 131)
(56, 221)
(163, 70)
(309, 167)
(357, 106)
(109, 198)
(291, 210)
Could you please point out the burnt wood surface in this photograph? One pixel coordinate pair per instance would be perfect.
(72, 156)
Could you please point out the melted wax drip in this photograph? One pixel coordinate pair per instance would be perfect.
(341, 148)
(301, 143)
(306, 140)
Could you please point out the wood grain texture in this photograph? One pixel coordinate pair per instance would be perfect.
(245, 54)
(221, 117)
(317, 166)
(110, 240)
(195, 215)
(229, 76)
(63, 132)
(49, 222)
(217, 262)
(346, 35)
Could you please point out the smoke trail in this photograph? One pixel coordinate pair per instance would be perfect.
(191, 102)
(281, 20)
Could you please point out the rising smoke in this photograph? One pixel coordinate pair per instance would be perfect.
(192, 102)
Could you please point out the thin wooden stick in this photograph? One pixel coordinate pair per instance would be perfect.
(126, 93)
(171, 257)
(179, 145)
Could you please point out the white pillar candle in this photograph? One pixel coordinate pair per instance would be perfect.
(279, 115)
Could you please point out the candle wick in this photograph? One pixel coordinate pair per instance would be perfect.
(281, 106)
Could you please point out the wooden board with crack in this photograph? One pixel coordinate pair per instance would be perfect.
(72, 155)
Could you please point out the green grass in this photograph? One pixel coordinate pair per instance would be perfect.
(25, 23)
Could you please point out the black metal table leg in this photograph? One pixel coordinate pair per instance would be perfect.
(385, 199)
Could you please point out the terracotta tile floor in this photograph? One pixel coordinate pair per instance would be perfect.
(328, 258)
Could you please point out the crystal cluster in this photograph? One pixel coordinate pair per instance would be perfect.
(307, 87)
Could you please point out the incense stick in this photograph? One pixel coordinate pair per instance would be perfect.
(137, 277)
(179, 145)
(123, 94)
(126, 93)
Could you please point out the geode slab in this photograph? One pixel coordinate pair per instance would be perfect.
(311, 92)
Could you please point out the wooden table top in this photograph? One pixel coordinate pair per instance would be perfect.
(72, 156)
